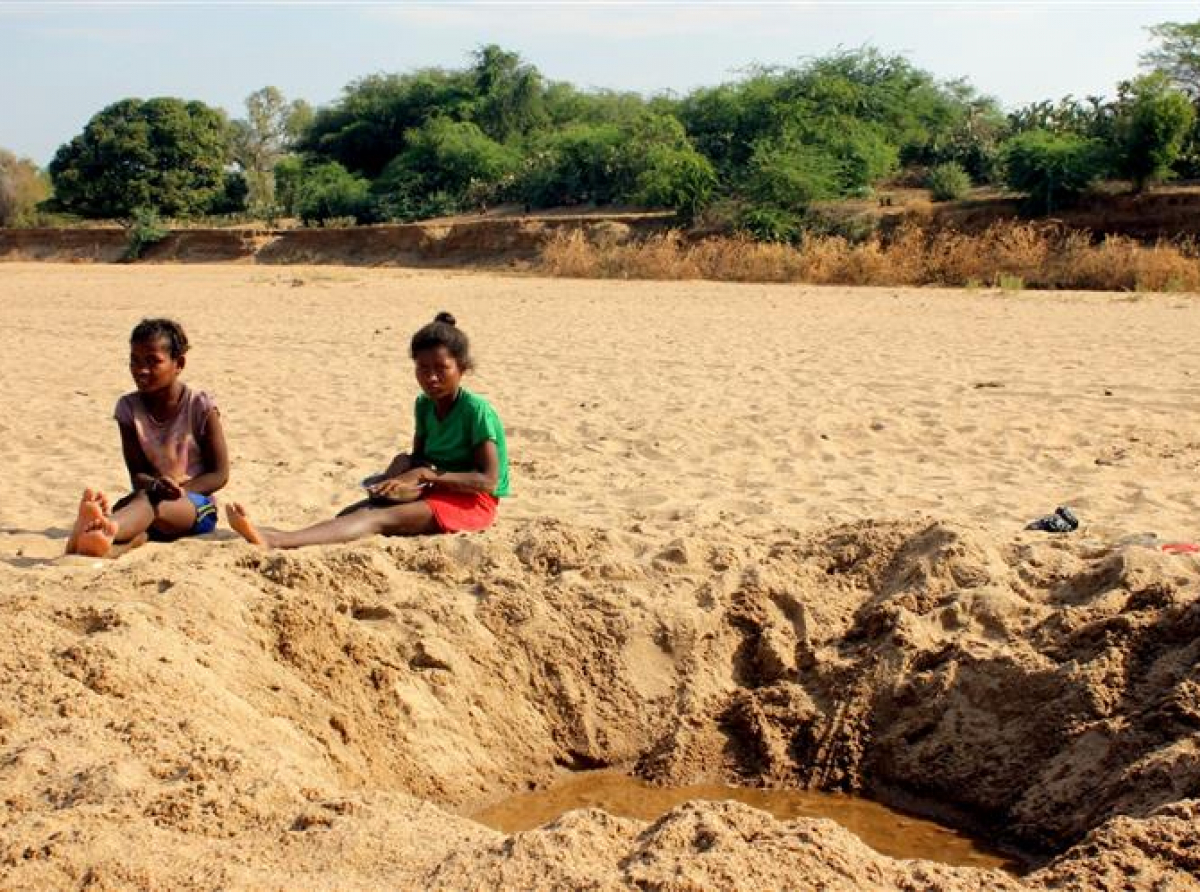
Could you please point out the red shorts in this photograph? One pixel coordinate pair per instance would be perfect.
(462, 512)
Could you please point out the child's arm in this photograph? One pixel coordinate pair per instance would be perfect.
(406, 461)
(142, 474)
(487, 460)
(216, 458)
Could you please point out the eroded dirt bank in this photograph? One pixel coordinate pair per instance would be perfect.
(314, 719)
(476, 242)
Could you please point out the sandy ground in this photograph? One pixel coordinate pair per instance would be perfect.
(652, 404)
(768, 533)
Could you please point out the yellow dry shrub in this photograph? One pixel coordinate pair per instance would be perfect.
(952, 258)
(1033, 255)
(823, 260)
(571, 256)
(905, 259)
(741, 259)
(658, 257)
(1166, 268)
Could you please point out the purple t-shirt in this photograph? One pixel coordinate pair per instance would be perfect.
(172, 446)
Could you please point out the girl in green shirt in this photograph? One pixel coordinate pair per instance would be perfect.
(452, 479)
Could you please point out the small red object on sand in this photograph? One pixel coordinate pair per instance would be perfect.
(1181, 548)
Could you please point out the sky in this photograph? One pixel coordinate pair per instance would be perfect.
(61, 62)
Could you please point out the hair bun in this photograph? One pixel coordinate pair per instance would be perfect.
(446, 318)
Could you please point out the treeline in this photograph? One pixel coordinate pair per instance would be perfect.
(752, 155)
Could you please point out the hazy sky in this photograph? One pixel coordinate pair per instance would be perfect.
(61, 62)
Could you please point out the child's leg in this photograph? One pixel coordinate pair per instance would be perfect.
(409, 519)
(96, 531)
(174, 518)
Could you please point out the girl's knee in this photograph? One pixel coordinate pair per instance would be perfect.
(176, 517)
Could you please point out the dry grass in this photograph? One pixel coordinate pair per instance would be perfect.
(1036, 255)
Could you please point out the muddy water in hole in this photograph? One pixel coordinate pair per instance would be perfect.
(887, 831)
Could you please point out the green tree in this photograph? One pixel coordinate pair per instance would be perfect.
(1177, 55)
(575, 165)
(726, 121)
(678, 178)
(1089, 118)
(452, 160)
(510, 94)
(835, 126)
(327, 191)
(235, 195)
(366, 128)
(22, 188)
(1052, 169)
(972, 137)
(163, 154)
(790, 175)
(257, 142)
(1152, 122)
(647, 159)
(565, 104)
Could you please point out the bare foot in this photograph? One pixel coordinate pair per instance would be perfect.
(242, 525)
(94, 530)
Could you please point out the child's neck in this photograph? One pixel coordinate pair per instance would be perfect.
(442, 407)
(163, 402)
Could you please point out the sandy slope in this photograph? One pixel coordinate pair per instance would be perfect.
(759, 533)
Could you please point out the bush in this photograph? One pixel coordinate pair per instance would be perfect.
(143, 230)
(447, 166)
(792, 176)
(573, 166)
(326, 191)
(1050, 169)
(680, 179)
(948, 182)
(866, 155)
(768, 224)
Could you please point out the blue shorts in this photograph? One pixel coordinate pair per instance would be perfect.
(206, 514)
(206, 519)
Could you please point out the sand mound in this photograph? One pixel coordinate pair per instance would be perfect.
(314, 719)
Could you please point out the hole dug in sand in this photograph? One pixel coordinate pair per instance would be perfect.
(323, 718)
(883, 829)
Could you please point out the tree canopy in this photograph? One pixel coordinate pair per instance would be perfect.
(762, 148)
(166, 155)
(258, 142)
(1177, 55)
(22, 188)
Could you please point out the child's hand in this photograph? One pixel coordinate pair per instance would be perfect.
(164, 489)
(398, 489)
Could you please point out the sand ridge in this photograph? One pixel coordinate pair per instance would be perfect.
(764, 534)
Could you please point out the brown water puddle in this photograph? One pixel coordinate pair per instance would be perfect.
(883, 829)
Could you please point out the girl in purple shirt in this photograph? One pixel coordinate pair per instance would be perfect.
(174, 448)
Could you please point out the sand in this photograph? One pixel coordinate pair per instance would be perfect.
(766, 534)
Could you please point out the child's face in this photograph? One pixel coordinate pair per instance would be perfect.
(437, 372)
(152, 366)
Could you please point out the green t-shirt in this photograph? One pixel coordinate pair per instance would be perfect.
(450, 442)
